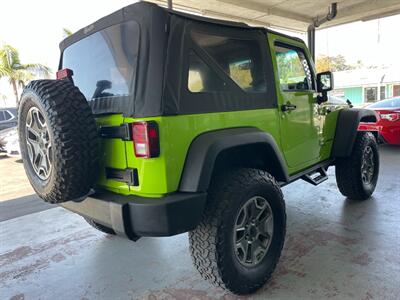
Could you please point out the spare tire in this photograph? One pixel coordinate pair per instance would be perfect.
(58, 139)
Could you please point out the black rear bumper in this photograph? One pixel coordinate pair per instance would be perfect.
(134, 216)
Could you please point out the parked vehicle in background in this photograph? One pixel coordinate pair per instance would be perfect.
(2, 145)
(9, 141)
(8, 117)
(335, 100)
(388, 120)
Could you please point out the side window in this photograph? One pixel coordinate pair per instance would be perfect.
(202, 78)
(293, 68)
(7, 115)
(238, 59)
(2, 118)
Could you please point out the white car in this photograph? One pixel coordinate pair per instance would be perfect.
(10, 142)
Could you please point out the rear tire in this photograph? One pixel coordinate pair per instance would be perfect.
(216, 244)
(99, 227)
(357, 175)
(58, 140)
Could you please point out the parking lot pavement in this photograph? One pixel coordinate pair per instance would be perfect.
(335, 248)
(13, 181)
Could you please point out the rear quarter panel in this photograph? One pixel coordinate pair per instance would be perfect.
(161, 175)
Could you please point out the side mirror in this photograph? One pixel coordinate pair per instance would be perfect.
(324, 85)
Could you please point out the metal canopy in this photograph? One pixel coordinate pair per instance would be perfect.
(294, 15)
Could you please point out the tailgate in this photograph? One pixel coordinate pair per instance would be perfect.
(114, 174)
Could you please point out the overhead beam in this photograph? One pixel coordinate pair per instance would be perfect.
(215, 14)
(269, 11)
(212, 14)
(368, 6)
(365, 11)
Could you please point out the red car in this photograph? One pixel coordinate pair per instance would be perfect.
(388, 123)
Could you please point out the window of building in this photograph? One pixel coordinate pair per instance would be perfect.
(396, 90)
(370, 94)
(238, 59)
(383, 92)
(293, 68)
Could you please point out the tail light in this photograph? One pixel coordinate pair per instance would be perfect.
(146, 139)
(64, 73)
(390, 117)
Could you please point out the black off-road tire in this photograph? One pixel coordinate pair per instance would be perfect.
(73, 134)
(348, 170)
(211, 243)
(100, 227)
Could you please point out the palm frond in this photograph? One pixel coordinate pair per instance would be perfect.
(67, 32)
(37, 69)
(4, 71)
(9, 56)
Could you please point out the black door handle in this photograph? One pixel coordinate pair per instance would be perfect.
(288, 107)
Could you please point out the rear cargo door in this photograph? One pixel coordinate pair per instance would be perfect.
(104, 65)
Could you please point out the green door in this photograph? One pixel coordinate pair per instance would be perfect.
(296, 101)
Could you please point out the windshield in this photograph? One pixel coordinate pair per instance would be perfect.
(336, 100)
(104, 63)
(388, 103)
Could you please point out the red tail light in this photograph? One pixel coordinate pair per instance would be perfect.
(146, 139)
(64, 73)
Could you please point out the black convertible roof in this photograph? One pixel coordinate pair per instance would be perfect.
(159, 85)
(131, 11)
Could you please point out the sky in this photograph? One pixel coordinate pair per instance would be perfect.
(35, 28)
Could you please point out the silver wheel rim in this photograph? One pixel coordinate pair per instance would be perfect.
(38, 143)
(253, 231)
(367, 165)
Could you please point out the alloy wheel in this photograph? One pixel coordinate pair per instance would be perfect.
(253, 231)
(38, 143)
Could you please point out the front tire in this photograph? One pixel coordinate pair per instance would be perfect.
(245, 207)
(357, 175)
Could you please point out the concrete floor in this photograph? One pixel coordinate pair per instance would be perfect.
(335, 249)
(13, 183)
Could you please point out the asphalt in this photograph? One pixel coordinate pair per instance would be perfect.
(335, 249)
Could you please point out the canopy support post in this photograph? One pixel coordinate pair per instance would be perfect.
(311, 40)
(317, 22)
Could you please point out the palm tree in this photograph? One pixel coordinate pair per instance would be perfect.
(17, 73)
(67, 32)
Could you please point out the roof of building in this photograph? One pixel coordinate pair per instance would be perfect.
(287, 14)
(362, 77)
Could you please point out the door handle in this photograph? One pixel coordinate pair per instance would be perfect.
(288, 107)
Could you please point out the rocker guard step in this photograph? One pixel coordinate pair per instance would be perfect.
(134, 216)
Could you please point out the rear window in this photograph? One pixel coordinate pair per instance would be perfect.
(104, 63)
(388, 103)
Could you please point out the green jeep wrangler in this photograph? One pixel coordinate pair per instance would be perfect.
(161, 123)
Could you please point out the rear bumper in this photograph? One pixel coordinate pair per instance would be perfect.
(391, 134)
(134, 216)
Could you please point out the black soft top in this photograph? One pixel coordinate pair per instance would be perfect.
(158, 86)
(134, 11)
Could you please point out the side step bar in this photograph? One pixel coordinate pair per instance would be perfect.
(316, 177)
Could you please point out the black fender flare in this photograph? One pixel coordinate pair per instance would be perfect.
(346, 129)
(206, 147)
